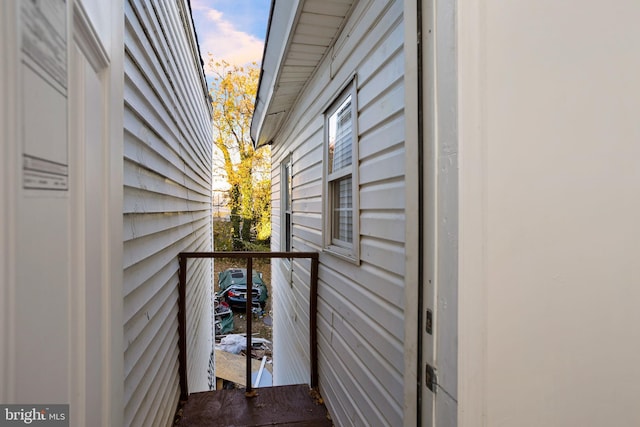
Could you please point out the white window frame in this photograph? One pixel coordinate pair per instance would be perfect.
(286, 208)
(349, 250)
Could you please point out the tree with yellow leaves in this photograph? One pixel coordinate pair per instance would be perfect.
(247, 170)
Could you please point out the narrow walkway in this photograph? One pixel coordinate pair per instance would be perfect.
(295, 405)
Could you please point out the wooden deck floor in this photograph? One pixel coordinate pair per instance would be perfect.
(291, 406)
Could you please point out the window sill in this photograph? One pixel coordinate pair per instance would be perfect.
(342, 253)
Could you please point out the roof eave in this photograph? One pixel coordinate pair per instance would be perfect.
(276, 96)
(280, 30)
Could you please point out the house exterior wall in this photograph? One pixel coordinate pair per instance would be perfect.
(360, 315)
(68, 255)
(549, 196)
(167, 208)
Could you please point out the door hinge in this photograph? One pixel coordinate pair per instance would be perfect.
(430, 378)
(429, 322)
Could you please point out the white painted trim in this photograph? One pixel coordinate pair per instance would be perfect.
(86, 36)
(430, 142)
(9, 161)
(114, 346)
(411, 328)
(4, 206)
(77, 360)
(472, 279)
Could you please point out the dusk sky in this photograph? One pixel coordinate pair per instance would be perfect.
(233, 30)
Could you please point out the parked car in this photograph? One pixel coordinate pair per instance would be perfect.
(233, 289)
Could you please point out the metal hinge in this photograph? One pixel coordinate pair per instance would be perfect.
(430, 378)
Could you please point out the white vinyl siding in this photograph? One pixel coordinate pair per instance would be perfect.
(361, 307)
(167, 208)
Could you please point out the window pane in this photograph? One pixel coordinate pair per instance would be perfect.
(287, 204)
(340, 137)
(287, 232)
(342, 215)
(288, 188)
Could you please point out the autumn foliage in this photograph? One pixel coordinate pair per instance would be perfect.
(247, 170)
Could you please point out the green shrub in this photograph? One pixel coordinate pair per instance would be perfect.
(222, 235)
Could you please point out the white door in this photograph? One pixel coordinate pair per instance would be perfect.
(92, 286)
(440, 217)
(60, 290)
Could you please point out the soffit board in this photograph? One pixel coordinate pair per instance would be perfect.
(300, 34)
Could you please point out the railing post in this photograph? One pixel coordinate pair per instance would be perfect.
(313, 321)
(249, 315)
(182, 325)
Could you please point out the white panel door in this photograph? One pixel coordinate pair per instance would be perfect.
(90, 176)
(57, 116)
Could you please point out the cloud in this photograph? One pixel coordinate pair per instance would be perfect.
(220, 37)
